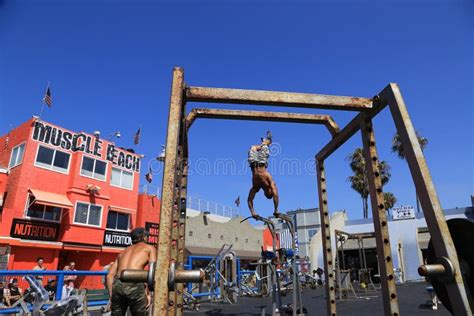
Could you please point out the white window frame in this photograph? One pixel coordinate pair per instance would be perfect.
(11, 156)
(121, 174)
(25, 214)
(93, 168)
(88, 214)
(54, 156)
(116, 229)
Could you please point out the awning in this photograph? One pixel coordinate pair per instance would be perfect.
(353, 244)
(51, 199)
(121, 209)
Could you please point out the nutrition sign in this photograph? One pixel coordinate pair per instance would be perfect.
(34, 230)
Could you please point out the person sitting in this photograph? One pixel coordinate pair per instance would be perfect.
(4, 295)
(68, 289)
(51, 288)
(15, 292)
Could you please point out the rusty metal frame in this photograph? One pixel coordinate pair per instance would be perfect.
(173, 207)
(326, 120)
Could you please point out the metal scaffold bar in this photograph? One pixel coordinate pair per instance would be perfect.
(434, 216)
(379, 214)
(268, 116)
(160, 298)
(276, 98)
(326, 240)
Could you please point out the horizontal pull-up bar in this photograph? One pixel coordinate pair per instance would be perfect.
(275, 98)
(326, 120)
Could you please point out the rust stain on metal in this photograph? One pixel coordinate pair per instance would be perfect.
(287, 117)
(276, 98)
(379, 214)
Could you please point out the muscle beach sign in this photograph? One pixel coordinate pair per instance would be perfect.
(88, 144)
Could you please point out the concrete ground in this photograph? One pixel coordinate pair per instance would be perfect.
(411, 296)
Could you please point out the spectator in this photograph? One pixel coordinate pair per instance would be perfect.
(51, 289)
(106, 269)
(4, 295)
(68, 289)
(70, 267)
(39, 267)
(15, 291)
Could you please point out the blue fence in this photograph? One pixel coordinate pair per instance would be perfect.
(59, 274)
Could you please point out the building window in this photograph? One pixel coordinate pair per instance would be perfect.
(88, 214)
(121, 178)
(40, 211)
(93, 168)
(17, 155)
(311, 233)
(52, 159)
(190, 233)
(118, 221)
(209, 236)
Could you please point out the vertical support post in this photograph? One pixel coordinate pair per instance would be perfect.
(379, 214)
(173, 295)
(434, 216)
(182, 225)
(326, 240)
(160, 298)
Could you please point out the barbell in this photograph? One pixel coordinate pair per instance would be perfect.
(174, 276)
(440, 271)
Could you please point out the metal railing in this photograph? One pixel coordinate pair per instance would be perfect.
(59, 277)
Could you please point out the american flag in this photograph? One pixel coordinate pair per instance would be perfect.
(149, 176)
(47, 97)
(136, 139)
(237, 201)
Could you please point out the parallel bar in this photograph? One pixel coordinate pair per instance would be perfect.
(160, 298)
(326, 240)
(275, 98)
(326, 120)
(379, 213)
(352, 127)
(439, 232)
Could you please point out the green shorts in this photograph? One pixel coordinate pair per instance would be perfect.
(125, 295)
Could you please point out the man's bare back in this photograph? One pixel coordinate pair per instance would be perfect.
(134, 257)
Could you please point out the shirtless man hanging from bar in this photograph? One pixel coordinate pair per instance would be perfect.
(134, 295)
(261, 179)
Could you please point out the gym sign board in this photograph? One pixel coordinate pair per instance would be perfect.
(403, 212)
(64, 139)
(154, 230)
(33, 230)
(117, 239)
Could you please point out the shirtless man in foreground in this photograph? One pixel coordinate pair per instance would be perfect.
(261, 179)
(133, 295)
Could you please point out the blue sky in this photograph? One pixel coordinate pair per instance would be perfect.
(110, 65)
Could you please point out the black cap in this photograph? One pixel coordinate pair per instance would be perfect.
(138, 234)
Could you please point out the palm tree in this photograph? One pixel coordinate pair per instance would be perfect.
(358, 179)
(397, 148)
(389, 200)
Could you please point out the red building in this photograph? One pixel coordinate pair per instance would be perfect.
(67, 196)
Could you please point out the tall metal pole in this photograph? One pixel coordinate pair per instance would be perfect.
(379, 214)
(160, 299)
(326, 240)
(434, 216)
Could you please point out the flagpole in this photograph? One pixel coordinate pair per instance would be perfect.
(42, 106)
